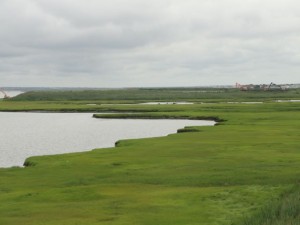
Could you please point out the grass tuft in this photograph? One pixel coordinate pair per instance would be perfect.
(284, 210)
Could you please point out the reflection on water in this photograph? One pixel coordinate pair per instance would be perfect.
(167, 103)
(287, 100)
(27, 134)
(10, 93)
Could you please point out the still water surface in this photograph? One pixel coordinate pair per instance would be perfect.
(11, 93)
(29, 134)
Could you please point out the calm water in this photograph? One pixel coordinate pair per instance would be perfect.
(11, 93)
(28, 134)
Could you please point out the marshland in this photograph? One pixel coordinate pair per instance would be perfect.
(243, 170)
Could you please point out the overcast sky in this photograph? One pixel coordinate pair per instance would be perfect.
(130, 43)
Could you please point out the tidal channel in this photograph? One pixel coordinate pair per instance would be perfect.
(24, 134)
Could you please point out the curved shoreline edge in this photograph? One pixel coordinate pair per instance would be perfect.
(217, 120)
(153, 116)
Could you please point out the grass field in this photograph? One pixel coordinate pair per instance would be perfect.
(245, 170)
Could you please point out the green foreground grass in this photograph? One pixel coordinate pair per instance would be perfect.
(244, 171)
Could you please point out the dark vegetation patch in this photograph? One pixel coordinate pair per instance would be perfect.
(29, 163)
(188, 129)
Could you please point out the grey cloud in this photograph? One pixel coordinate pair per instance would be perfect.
(148, 43)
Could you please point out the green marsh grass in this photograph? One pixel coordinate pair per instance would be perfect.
(239, 172)
(284, 210)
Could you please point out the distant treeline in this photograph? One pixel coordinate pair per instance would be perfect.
(157, 94)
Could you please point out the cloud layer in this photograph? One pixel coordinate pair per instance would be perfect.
(121, 43)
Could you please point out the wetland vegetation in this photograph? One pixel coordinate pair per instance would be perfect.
(134, 95)
(244, 171)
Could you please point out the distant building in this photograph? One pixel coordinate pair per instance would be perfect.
(262, 87)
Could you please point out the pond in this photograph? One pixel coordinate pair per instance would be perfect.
(29, 134)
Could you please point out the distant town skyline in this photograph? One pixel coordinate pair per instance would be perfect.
(138, 43)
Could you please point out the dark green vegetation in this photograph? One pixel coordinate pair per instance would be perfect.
(284, 210)
(158, 94)
(245, 171)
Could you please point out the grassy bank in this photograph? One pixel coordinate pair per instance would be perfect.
(243, 171)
